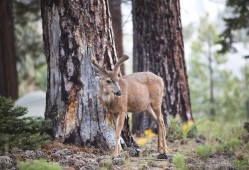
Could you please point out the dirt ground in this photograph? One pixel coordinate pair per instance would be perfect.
(223, 155)
(75, 158)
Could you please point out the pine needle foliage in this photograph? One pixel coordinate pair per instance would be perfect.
(17, 130)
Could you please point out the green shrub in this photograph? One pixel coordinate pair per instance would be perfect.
(38, 165)
(230, 146)
(220, 149)
(241, 164)
(174, 130)
(179, 162)
(19, 131)
(204, 151)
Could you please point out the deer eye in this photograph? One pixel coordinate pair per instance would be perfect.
(108, 81)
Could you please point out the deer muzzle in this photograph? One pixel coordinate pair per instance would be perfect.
(117, 90)
(118, 94)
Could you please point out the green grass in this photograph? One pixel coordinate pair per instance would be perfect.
(38, 165)
(228, 147)
(204, 151)
(179, 162)
(241, 164)
(219, 129)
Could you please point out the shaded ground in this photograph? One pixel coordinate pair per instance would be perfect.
(221, 147)
(71, 157)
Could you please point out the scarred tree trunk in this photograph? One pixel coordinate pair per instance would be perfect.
(75, 32)
(8, 73)
(158, 47)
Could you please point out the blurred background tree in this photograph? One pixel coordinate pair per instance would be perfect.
(236, 18)
(8, 73)
(227, 97)
(31, 62)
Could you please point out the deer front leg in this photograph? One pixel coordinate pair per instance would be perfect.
(119, 126)
(163, 135)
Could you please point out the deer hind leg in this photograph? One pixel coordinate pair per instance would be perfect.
(159, 136)
(161, 130)
(119, 123)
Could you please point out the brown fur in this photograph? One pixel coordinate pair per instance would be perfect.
(142, 91)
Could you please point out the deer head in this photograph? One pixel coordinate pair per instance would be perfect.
(109, 80)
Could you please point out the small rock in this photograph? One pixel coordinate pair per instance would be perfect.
(154, 164)
(124, 154)
(133, 152)
(40, 154)
(162, 156)
(147, 152)
(79, 163)
(155, 154)
(200, 139)
(144, 167)
(55, 157)
(118, 161)
(88, 167)
(68, 168)
(103, 157)
(30, 154)
(170, 157)
(6, 162)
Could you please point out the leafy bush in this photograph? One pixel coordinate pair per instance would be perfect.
(204, 151)
(38, 165)
(19, 131)
(179, 162)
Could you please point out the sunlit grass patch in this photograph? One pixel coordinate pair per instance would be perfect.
(179, 162)
(241, 164)
(38, 165)
(204, 151)
(219, 129)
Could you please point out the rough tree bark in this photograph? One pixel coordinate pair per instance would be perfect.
(115, 9)
(158, 47)
(75, 32)
(8, 73)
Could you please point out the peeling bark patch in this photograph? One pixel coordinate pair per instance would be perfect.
(70, 117)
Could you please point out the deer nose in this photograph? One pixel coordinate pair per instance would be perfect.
(118, 94)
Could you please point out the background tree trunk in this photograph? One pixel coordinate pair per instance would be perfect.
(158, 47)
(115, 9)
(75, 32)
(8, 74)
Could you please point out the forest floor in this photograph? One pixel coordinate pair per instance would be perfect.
(217, 146)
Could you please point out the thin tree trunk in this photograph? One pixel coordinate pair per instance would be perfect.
(210, 68)
(158, 47)
(115, 9)
(8, 73)
(74, 33)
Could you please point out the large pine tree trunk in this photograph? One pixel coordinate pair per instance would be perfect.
(75, 32)
(158, 47)
(8, 73)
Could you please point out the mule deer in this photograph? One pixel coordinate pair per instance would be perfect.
(137, 92)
